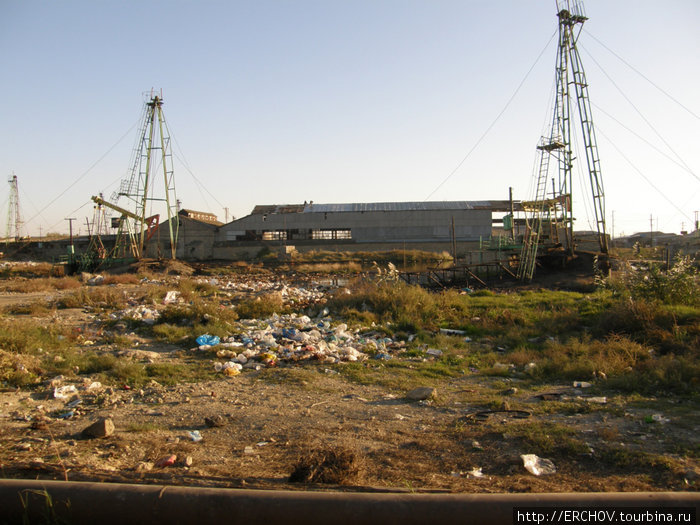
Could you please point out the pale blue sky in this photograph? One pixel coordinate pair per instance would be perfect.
(342, 101)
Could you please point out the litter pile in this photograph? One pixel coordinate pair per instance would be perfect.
(293, 338)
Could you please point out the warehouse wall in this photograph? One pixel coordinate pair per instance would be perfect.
(412, 226)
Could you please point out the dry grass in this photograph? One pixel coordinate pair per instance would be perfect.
(335, 465)
(40, 284)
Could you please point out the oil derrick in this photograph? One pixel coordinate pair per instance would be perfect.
(14, 219)
(152, 157)
(550, 222)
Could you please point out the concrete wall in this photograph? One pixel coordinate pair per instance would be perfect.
(373, 226)
(248, 250)
(195, 241)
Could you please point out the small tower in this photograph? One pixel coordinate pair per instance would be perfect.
(14, 219)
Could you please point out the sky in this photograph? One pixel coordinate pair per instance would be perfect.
(286, 101)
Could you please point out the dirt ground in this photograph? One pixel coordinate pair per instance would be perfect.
(255, 427)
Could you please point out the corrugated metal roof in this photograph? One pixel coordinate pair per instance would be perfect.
(396, 206)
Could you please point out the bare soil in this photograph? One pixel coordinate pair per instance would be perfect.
(257, 427)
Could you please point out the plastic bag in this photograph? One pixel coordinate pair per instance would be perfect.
(537, 465)
(209, 340)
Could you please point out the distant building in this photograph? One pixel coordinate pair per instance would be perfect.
(200, 216)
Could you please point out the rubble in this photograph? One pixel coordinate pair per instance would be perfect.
(103, 427)
(421, 393)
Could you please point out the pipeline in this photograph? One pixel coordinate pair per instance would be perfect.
(32, 501)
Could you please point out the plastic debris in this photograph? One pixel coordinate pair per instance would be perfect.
(476, 472)
(582, 384)
(434, 352)
(74, 403)
(208, 340)
(601, 400)
(166, 461)
(195, 435)
(66, 415)
(64, 392)
(658, 418)
(171, 297)
(537, 466)
(452, 331)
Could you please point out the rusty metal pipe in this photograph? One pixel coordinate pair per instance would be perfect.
(116, 503)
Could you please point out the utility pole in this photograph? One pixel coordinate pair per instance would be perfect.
(454, 243)
(651, 230)
(226, 213)
(70, 226)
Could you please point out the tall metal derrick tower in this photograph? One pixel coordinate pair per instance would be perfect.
(152, 157)
(551, 221)
(14, 219)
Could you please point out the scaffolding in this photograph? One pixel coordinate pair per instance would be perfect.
(556, 213)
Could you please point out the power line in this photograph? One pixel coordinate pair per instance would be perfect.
(658, 150)
(643, 176)
(638, 112)
(644, 76)
(498, 117)
(84, 173)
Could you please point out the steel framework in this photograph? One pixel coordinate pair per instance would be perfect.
(152, 153)
(557, 212)
(14, 219)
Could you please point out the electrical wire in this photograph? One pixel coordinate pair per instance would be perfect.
(651, 126)
(498, 117)
(642, 174)
(654, 147)
(643, 76)
(85, 173)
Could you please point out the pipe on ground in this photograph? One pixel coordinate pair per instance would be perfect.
(31, 501)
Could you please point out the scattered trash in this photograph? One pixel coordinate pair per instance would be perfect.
(66, 415)
(195, 435)
(171, 297)
(74, 403)
(657, 418)
(248, 451)
(451, 331)
(434, 352)
(476, 472)
(477, 446)
(144, 466)
(166, 461)
(95, 280)
(601, 400)
(537, 465)
(582, 384)
(103, 427)
(208, 340)
(64, 392)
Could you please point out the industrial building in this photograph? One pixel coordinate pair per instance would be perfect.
(378, 226)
